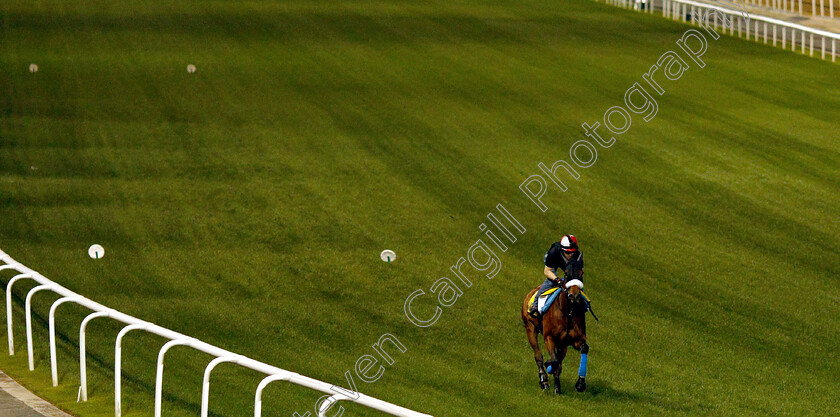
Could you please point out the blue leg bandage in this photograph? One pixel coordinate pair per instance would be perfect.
(582, 370)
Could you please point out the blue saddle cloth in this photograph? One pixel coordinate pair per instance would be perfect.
(546, 298)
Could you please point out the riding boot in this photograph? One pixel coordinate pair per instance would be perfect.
(534, 310)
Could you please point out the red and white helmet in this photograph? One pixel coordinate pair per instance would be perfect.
(569, 243)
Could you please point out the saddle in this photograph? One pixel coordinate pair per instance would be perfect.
(545, 299)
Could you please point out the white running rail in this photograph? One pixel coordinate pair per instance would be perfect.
(760, 27)
(817, 7)
(272, 373)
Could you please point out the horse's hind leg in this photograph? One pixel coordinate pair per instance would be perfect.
(538, 357)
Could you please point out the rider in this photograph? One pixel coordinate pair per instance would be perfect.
(558, 257)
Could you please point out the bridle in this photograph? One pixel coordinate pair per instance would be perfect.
(572, 272)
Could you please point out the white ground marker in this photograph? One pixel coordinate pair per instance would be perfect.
(96, 251)
(190, 68)
(388, 255)
(33, 67)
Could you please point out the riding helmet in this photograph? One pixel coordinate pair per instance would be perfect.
(569, 243)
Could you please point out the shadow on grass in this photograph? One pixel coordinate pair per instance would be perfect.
(603, 391)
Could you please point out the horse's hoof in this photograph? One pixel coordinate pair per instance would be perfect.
(543, 381)
(580, 386)
(557, 390)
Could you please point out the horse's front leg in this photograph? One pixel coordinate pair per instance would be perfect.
(555, 365)
(580, 385)
(543, 374)
(561, 354)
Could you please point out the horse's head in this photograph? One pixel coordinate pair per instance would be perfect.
(573, 281)
(573, 292)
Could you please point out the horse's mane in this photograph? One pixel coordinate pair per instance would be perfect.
(574, 270)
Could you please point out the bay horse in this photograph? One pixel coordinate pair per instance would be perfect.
(562, 325)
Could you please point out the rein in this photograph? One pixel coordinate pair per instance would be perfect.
(587, 304)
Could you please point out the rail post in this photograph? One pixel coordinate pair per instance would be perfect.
(11, 331)
(82, 351)
(159, 372)
(258, 395)
(205, 385)
(29, 322)
(53, 359)
(118, 365)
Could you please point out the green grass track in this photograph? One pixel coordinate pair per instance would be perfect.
(246, 204)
